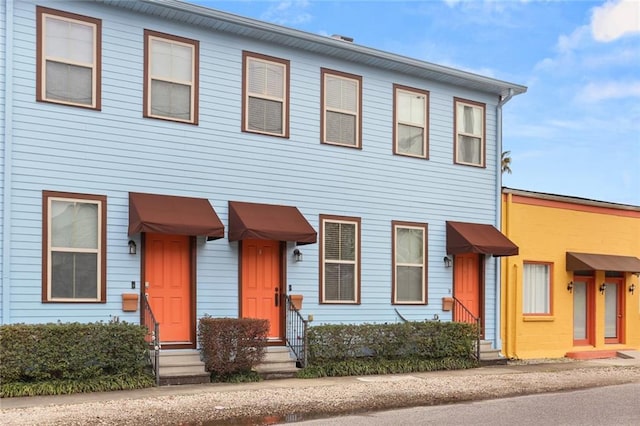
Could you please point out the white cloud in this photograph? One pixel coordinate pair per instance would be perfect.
(568, 43)
(287, 13)
(595, 92)
(615, 19)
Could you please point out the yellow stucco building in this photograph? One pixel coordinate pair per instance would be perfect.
(573, 290)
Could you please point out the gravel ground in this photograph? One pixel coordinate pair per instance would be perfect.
(275, 404)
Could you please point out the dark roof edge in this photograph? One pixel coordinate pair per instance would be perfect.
(330, 43)
(569, 199)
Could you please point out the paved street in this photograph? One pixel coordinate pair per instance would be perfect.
(617, 405)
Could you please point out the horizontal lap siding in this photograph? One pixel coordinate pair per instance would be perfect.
(116, 150)
(3, 94)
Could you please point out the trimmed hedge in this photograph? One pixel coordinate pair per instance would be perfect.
(232, 346)
(340, 350)
(72, 353)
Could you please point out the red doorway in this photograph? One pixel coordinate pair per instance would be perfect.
(467, 283)
(168, 285)
(261, 284)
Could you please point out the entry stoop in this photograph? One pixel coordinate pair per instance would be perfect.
(182, 367)
(278, 363)
(490, 356)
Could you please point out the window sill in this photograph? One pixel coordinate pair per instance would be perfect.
(539, 318)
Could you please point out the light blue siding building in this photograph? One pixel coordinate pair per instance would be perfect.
(218, 164)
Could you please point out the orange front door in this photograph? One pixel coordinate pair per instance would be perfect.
(261, 286)
(167, 280)
(466, 282)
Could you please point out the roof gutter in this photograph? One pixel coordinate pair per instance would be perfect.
(248, 27)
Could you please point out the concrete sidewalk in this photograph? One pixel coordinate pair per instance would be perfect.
(163, 391)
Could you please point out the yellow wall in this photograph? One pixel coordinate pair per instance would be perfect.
(544, 230)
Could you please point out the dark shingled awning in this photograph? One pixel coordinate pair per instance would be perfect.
(268, 222)
(463, 237)
(169, 214)
(602, 262)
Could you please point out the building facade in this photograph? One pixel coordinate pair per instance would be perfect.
(216, 164)
(573, 289)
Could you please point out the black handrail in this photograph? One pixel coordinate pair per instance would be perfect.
(153, 337)
(296, 333)
(462, 314)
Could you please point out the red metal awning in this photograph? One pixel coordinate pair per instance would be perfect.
(170, 214)
(268, 222)
(463, 237)
(602, 262)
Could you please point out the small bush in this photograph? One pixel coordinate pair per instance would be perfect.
(232, 346)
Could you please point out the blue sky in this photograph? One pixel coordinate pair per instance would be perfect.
(575, 132)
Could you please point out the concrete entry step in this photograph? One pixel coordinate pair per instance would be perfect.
(629, 354)
(278, 363)
(490, 356)
(181, 367)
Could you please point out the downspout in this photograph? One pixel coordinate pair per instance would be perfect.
(8, 151)
(498, 272)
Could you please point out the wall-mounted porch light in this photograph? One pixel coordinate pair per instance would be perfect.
(447, 262)
(603, 287)
(297, 255)
(570, 287)
(632, 288)
(132, 247)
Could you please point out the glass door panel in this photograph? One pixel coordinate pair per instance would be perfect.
(580, 312)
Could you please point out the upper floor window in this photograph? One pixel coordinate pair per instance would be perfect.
(536, 288)
(409, 263)
(74, 247)
(341, 119)
(171, 77)
(68, 58)
(469, 132)
(411, 121)
(340, 259)
(265, 102)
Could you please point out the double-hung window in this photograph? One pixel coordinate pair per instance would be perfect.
(409, 253)
(171, 77)
(341, 98)
(340, 259)
(469, 132)
(411, 122)
(265, 103)
(74, 247)
(68, 58)
(536, 288)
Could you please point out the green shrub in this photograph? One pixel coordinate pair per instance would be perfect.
(369, 366)
(49, 355)
(341, 350)
(232, 346)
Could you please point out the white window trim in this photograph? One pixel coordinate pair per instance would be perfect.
(423, 265)
(93, 66)
(191, 84)
(249, 94)
(356, 268)
(356, 113)
(481, 136)
(97, 250)
(548, 291)
(424, 126)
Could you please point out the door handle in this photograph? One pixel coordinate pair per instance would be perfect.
(277, 297)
